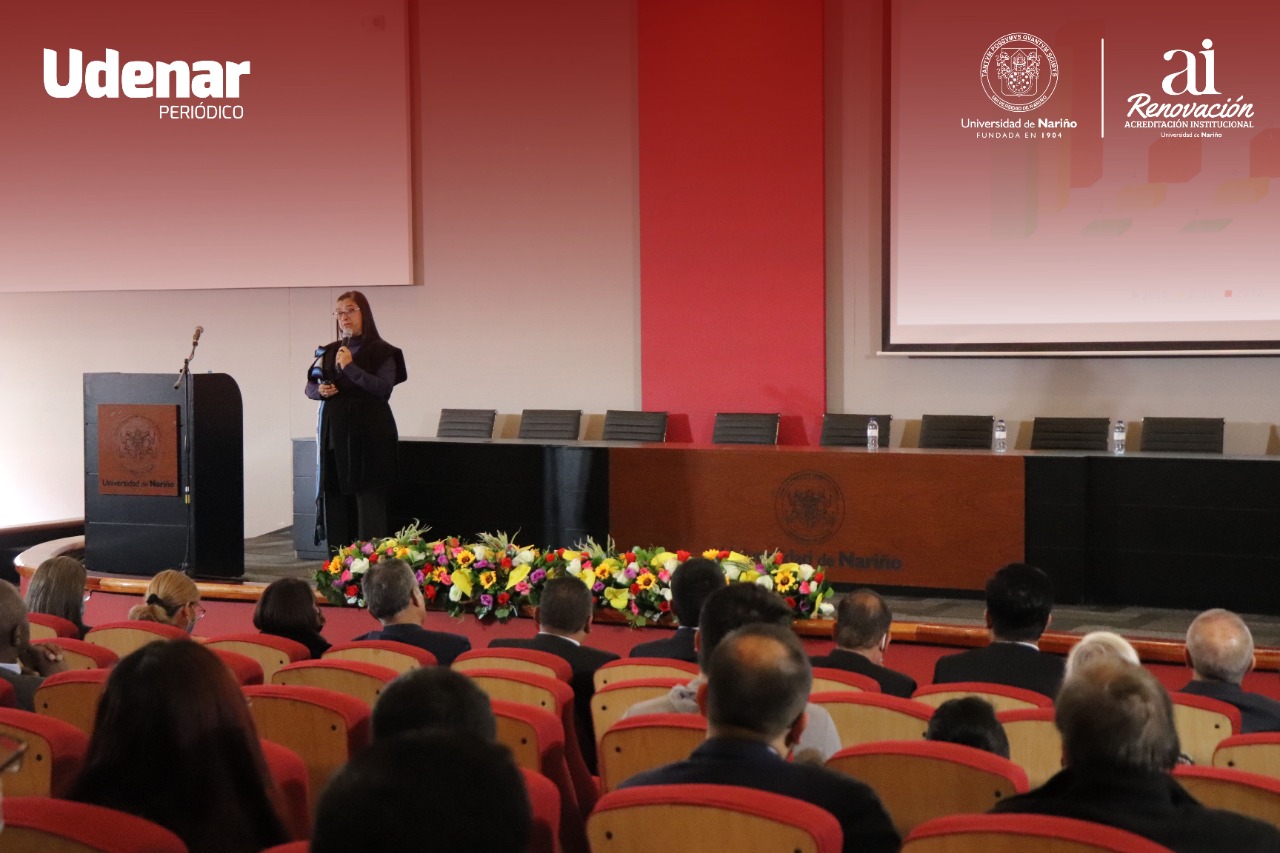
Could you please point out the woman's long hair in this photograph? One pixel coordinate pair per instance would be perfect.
(168, 592)
(369, 329)
(287, 606)
(57, 589)
(173, 742)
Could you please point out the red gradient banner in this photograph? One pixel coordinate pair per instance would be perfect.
(1105, 180)
(153, 145)
(731, 212)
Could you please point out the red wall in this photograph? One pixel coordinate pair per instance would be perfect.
(731, 211)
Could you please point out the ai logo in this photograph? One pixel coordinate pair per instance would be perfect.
(1019, 72)
(1189, 85)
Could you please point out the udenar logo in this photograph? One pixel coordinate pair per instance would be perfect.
(108, 78)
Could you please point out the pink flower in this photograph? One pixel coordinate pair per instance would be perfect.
(345, 576)
(367, 548)
(664, 575)
(635, 608)
(439, 549)
(804, 587)
(445, 579)
(523, 587)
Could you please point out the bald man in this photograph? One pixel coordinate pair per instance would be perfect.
(22, 664)
(1220, 652)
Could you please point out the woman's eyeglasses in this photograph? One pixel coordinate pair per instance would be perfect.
(346, 312)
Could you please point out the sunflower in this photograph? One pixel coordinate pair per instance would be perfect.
(488, 579)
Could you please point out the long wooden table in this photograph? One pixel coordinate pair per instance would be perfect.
(1169, 530)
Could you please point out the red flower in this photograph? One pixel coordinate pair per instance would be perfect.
(664, 605)
(503, 598)
(791, 602)
(586, 564)
(373, 558)
(352, 590)
(723, 555)
(778, 558)
(635, 589)
(559, 552)
(819, 577)
(584, 555)
(629, 557)
(506, 562)
(683, 555)
(430, 593)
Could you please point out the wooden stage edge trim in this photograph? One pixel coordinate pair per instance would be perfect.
(926, 633)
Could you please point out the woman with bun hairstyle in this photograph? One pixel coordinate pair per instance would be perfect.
(172, 599)
(288, 609)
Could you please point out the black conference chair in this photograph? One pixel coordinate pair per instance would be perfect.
(745, 428)
(956, 432)
(1069, 433)
(466, 423)
(551, 424)
(840, 430)
(1182, 435)
(635, 426)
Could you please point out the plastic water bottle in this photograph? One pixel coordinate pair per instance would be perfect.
(1118, 438)
(1002, 437)
(873, 435)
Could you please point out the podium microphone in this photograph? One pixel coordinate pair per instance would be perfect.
(195, 339)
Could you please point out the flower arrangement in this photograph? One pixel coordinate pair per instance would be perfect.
(494, 576)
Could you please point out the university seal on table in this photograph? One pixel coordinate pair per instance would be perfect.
(809, 506)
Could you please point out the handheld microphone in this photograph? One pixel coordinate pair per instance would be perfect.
(195, 339)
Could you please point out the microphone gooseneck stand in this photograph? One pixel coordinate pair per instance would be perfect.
(184, 382)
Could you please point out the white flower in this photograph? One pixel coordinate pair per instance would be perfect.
(666, 593)
(415, 557)
(826, 608)
(806, 572)
(455, 593)
(620, 576)
(575, 567)
(765, 581)
(633, 566)
(731, 570)
(525, 556)
(671, 565)
(360, 566)
(481, 552)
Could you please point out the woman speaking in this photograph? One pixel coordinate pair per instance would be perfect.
(353, 378)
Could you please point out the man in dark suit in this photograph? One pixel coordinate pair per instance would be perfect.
(392, 594)
(1220, 652)
(564, 620)
(21, 664)
(1019, 608)
(696, 578)
(1118, 747)
(754, 698)
(861, 633)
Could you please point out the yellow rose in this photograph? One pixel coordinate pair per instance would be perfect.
(401, 553)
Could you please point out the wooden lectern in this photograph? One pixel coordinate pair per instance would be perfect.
(164, 474)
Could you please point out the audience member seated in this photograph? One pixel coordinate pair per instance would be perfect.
(433, 698)
(969, 721)
(725, 610)
(392, 594)
(1220, 652)
(172, 599)
(173, 742)
(564, 620)
(696, 578)
(1118, 746)
(1019, 609)
(22, 664)
(288, 609)
(861, 633)
(445, 791)
(754, 696)
(1096, 645)
(56, 588)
